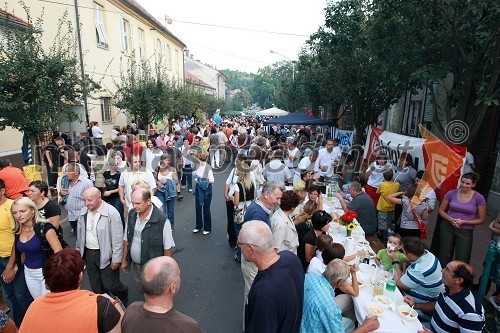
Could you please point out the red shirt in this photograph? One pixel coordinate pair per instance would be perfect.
(15, 183)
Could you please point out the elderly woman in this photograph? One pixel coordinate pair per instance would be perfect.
(27, 228)
(284, 233)
(94, 313)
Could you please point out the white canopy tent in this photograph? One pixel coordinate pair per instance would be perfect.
(274, 111)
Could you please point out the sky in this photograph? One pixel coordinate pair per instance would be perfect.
(236, 44)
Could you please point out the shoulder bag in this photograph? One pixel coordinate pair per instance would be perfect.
(239, 213)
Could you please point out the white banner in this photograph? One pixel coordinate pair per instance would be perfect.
(393, 145)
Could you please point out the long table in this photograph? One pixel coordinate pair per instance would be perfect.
(390, 320)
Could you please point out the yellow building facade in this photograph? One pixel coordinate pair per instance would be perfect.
(113, 33)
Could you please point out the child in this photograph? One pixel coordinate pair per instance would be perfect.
(391, 253)
(316, 265)
(385, 208)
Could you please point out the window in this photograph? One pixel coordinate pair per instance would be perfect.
(101, 35)
(168, 56)
(125, 38)
(164, 54)
(142, 53)
(106, 109)
(176, 64)
(158, 52)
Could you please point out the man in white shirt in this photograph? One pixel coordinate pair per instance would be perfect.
(293, 155)
(97, 134)
(276, 171)
(328, 158)
(129, 177)
(309, 163)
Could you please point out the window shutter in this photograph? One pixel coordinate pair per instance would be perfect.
(122, 35)
(132, 38)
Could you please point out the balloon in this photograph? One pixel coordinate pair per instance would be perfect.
(218, 120)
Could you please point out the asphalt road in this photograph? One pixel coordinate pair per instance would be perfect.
(211, 282)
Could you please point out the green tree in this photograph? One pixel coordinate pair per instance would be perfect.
(38, 88)
(452, 43)
(145, 94)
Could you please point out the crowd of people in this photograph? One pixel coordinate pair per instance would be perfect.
(120, 200)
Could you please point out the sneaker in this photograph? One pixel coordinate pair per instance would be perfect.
(190, 190)
(183, 186)
(195, 231)
(180, 197)
(206, 232)
(194, 193)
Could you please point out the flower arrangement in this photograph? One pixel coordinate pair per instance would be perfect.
(347, 220)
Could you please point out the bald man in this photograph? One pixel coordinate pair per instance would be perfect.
(456, 309)
(100, 242)
(160, 281)
(274, 302)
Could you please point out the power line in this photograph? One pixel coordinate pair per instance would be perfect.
(189, 22)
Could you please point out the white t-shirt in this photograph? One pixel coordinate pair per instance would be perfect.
(305, 164)
(325, 160)
(276, 171)
(295, 153)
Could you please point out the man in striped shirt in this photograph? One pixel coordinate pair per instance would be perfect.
(422, 279)
(456, 310)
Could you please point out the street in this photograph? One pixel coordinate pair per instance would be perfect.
(212, 285)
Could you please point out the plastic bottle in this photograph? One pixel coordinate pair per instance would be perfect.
(329, 192)
(390, 283)
(378, 288)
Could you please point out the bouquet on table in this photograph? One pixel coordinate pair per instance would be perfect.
(347, 220)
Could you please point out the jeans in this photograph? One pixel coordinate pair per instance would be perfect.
(168, 206)
(237, 229)
(73, 225)
(231, 232)
(187, 176)
(17, 292)
(115, 202)
(203, 213)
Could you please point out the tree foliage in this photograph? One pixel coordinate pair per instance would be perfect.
(38, 88)
(148, 95)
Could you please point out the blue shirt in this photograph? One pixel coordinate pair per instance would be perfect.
(320, 312)
(423, 278)
(256, 212)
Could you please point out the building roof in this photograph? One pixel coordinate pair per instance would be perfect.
(145, 14)
(11, 18)
(196, 80)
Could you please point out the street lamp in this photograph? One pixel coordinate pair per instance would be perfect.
(274, 89)
(293, 63)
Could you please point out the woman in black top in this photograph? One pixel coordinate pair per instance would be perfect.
(48, 209)
(320, 222)
(110, 193)
(244, 193)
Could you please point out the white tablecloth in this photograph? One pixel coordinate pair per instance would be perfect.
(390, 320)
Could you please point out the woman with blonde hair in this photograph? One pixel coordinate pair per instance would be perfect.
(29, 228)
(245, 190)
(203, 178)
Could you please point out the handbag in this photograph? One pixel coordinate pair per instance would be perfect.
(40, 232)
(421, 225)
(239, 213)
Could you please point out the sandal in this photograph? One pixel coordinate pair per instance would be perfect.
(5, 309)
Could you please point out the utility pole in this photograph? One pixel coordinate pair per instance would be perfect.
(82, 68)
